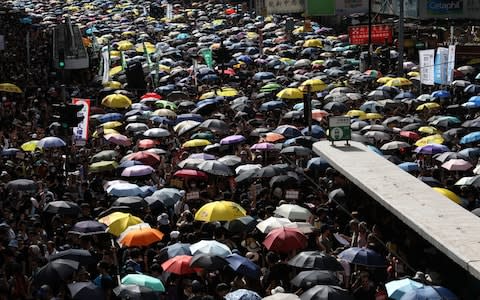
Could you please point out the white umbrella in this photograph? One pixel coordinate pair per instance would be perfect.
(303, 227)
(272, 223)
(293, 212)
(210, 248)
(248, 167)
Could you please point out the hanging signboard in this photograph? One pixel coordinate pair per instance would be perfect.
(358, 35)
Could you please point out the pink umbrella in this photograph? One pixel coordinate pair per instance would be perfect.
(457, 164)
(138, 170)
(263, 147)
(118, 139)
(285, 239)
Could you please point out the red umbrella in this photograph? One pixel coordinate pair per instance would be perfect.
(151, 95)
(179, 265)
(230, 11)
(146, 143)
(410, 135)
(285, 239)
(187, 173)
(145, 157)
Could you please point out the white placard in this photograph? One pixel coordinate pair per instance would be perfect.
(427, 64)
(451, 63)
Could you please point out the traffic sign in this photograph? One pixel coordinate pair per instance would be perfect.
(339, 129)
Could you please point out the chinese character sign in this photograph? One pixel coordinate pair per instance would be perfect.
(427, 63)
(81, 131)
(358, 35)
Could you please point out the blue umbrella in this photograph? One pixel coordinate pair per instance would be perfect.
(363, 257)
(408, 166)
(271, 105)
(317, 132)
(441, 94)
(470, 138)
(263, 76)
(51, 142)
(471, 104)
(429, 293)
(404, 95)
(209, 78)
(124, 190)
(110, 117)
(147, 190)
(397, 288)
(174, 250)
(317, 163)
(242, 294)
(471, 153)
(288, 131)
(182, 36)
(129, 163)
(186, 117)
(243, 266)
(161, 120)
(245, 58)
(10, 152)
(474, 99)
(375, 150)
(472, 89)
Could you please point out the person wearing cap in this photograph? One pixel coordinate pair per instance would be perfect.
(164, 226)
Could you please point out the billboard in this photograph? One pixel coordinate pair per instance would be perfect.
(392, 7)
(320, 7)
(358, 35)
(284, 6)
(427, 64)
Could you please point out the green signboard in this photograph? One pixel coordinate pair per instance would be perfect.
(207, 56)
(320, 7)
(339, 129)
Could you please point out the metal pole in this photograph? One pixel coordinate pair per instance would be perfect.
(401, 38)
(369, 34)
(28, 48)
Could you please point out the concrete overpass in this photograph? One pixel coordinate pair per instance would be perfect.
(446, 225)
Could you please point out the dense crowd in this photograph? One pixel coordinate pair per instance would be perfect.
(162, 159)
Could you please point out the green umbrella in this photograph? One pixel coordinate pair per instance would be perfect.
(270, 87)
(166, 104)
(104, 155)
(103, 166)
(144, 280)
(206, 135)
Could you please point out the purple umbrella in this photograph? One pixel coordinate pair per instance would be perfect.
(233, 139)
(432, 149)
(263, 147)
(203, 156)
(139, 170)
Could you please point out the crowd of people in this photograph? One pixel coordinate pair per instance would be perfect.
(203, 184)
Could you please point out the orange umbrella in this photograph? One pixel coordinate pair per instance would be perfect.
(146, 143)
(272, 137)
(318, 114)
(141, 237)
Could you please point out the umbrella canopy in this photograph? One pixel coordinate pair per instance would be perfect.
(457, 165)
(242, 294)
(144, 280)
(208, 262)
(21, 185)
(293, 212)
(307, 279)
(363, 257)
(81, 256)
(220, 211)
(116, 101)
(242, 224)
(397, 288)
(449, 194)
(139, 170)
(135, 292)
(285, 240)
(429, 293)
(215, 167)
(88, 228)
(51, 142)
(62, 208)
(179, 265)
(54, 272)
(326, 292)
(174, 250)
(271, 223)
(117, 222)
(243, 266)
(210, 247)
(85, 290)
(141, 237)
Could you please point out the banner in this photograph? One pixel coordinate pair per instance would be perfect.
(80, 133)
(106, 65)
(284, 6)
(207, 56)
(441, 64)
(427, 63)
(169, 13)
(451, 63)
(358, 35)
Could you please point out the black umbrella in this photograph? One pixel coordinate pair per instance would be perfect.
(315, 260)
(113, 209)
(81, 256)
(284, 181)
(245, 176)
(85, 291)
(130, 201)
(208, 262)
(296, 150)
(242, 224)
(62, 208)
(326, 292)
(308, 279)
(335, 107)
(21, 185)
(267, 172)
(88, 228)
(54, 272)
(135, 292)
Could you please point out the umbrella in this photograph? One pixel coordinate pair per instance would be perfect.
(457, 164)
(296, 150)
(208, 262)
(81, 256)
(363, 257)
(196, 143)
(242, 224)
(220, 211)
(242, 294)
(156, 133)
(54, 272)
(51, 142)
(282, 296)
(62, 208)
(145, 157)
(117, 222)
(429, 293)
(135, 292)
(271, 223)
(88, 228)
(326, 292)
(105, 155)
(124, 189)
(395, 145)
(431, 139)
(144, 280)
(179, 265)
(141, 237)
(85, 290)
(449, 194)
(103, 166)
(243, 266)
(21, 185)
(233, 139)
(139, 170)
(215, 167)
(174, 250)
(167, 196)
(397, 288)
(10, 88)
(186, 173)
(290, 93)
(431, 149)
(29, 146)
(116, 101)
(210, 247)
(307, 279)
(409, 166)
(473, 137)
(230, 160)
(215, 125)
(293, 212)
(285, 240)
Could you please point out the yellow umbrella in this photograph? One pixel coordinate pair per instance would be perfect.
(124, 45)
(117, 101)
(220, 211)
(371, 116)
(117, 222)
(10, 88)
(429, 105)
(316, 85)
(449, 194)
(431, 139)
(298, 30)
(102, 166)
(313, 43)
(149, 46)
(399, 81)
(105, 132)
(207, 95)
(29, 146)
(356, 113)
(252, 35)
(318, 62)
(428, 130)
(196, 143)
(384, 80)
(413, 74)
(128, 33)
(111, 125)
(290, 93)
(227, 92)
(113, 84)
(114, 53)
(115, 70)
